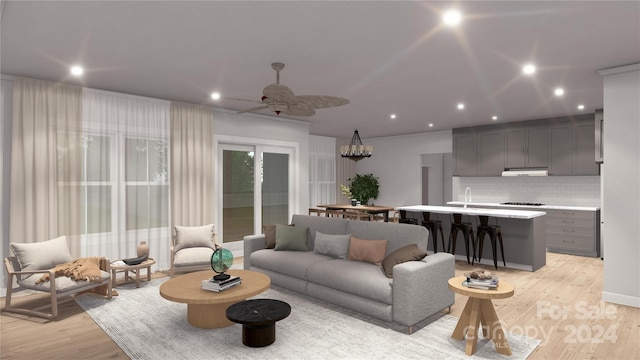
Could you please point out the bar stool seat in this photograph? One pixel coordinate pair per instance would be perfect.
(433, 225)
(495, 234)
(467, 231)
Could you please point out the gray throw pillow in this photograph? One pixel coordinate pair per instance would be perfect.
(42, 255)
(292, 238)
(332, 245)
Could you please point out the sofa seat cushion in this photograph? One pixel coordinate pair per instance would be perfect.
(193, 256)
(292, 263)
(353, 277)
(63, 283)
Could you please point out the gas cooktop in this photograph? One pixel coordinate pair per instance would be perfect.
(521, 203)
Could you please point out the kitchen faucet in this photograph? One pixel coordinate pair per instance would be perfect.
(467, 190)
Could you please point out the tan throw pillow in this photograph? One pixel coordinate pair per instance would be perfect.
(42, 255)
(269, 232)
(371, 251)
(404, 254)
(194, 236)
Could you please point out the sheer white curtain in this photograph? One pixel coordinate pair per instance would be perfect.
(46, 117)
(125, 180)
(192, 182)
(322, 170)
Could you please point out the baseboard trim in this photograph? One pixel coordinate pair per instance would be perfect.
(621, 299)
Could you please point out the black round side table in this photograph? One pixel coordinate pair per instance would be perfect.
(258, 318)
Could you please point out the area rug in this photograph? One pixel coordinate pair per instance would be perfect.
(146, 326)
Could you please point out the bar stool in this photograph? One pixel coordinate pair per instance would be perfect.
(433, 226)
(405, 220)
(494, 233)
(467, 230)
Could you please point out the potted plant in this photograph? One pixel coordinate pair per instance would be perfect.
(365, 187)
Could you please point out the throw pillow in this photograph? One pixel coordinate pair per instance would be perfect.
(371, 251)
(404, 254)
(269, 232)
(292, 238)
(332, 245)
(194, 236)
(42, 255)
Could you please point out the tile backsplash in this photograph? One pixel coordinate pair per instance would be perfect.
(551, 190)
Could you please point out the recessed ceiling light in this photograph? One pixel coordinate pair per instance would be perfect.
(452, 17)
(494, 118)
(215, 95)
(460, 106)
(558, 91)
(393, 116)
(529, 69)
(430, 125)
(580, 107)
(77, 70)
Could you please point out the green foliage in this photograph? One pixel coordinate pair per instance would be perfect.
(365, 187)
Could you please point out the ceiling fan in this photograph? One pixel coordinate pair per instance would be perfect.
(280, 99)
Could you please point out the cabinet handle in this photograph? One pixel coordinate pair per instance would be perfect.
(567, 241)
(567, 222)
(568, 213)
(568, 230)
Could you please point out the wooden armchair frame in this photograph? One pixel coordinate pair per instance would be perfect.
(14, 270)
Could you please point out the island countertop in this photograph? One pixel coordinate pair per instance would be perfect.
(500, 213)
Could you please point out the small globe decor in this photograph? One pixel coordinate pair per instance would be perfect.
(221, 261)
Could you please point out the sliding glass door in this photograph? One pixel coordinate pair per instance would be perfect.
(256, 189)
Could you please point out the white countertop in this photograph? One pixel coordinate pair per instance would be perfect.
(501, 213)
(541, 207)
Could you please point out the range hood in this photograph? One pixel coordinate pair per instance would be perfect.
(526, 172)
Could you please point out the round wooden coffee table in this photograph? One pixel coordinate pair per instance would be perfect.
(207, 309)
(479, 310)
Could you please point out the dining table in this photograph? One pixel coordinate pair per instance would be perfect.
(371, 209)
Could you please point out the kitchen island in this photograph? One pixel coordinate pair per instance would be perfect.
(523, 232)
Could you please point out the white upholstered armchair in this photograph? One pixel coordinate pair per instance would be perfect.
(192, 247)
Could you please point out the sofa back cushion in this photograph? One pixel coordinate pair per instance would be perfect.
(398, 235)
(326, 225)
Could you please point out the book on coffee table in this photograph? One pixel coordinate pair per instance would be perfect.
(219, 285)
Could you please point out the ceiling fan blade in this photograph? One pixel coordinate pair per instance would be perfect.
(253, 109)
(323, 101)
(237, 99)
(299, 109)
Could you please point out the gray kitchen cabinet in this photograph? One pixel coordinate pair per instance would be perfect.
(465, 156)
(573, 232)
(490, 153)
(571, 149)
(526, 147)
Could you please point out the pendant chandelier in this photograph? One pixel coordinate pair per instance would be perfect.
(356, 150)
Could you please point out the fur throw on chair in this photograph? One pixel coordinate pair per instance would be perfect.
(87, 268)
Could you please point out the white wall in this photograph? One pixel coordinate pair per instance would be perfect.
(397, 162)
(621, 185)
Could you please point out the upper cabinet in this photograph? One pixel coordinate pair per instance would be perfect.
(564, 146)
(526, 147)
(571, 148)
(478, 153)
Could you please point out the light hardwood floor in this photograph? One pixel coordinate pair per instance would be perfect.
(559, 304)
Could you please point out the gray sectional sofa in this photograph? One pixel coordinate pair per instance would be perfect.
(417, 290)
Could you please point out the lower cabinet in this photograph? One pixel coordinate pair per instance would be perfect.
(573, 232)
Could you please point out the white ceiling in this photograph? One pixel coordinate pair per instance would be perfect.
(385, 57)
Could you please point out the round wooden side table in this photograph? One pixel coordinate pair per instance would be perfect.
(135, 269)
(479, 310)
